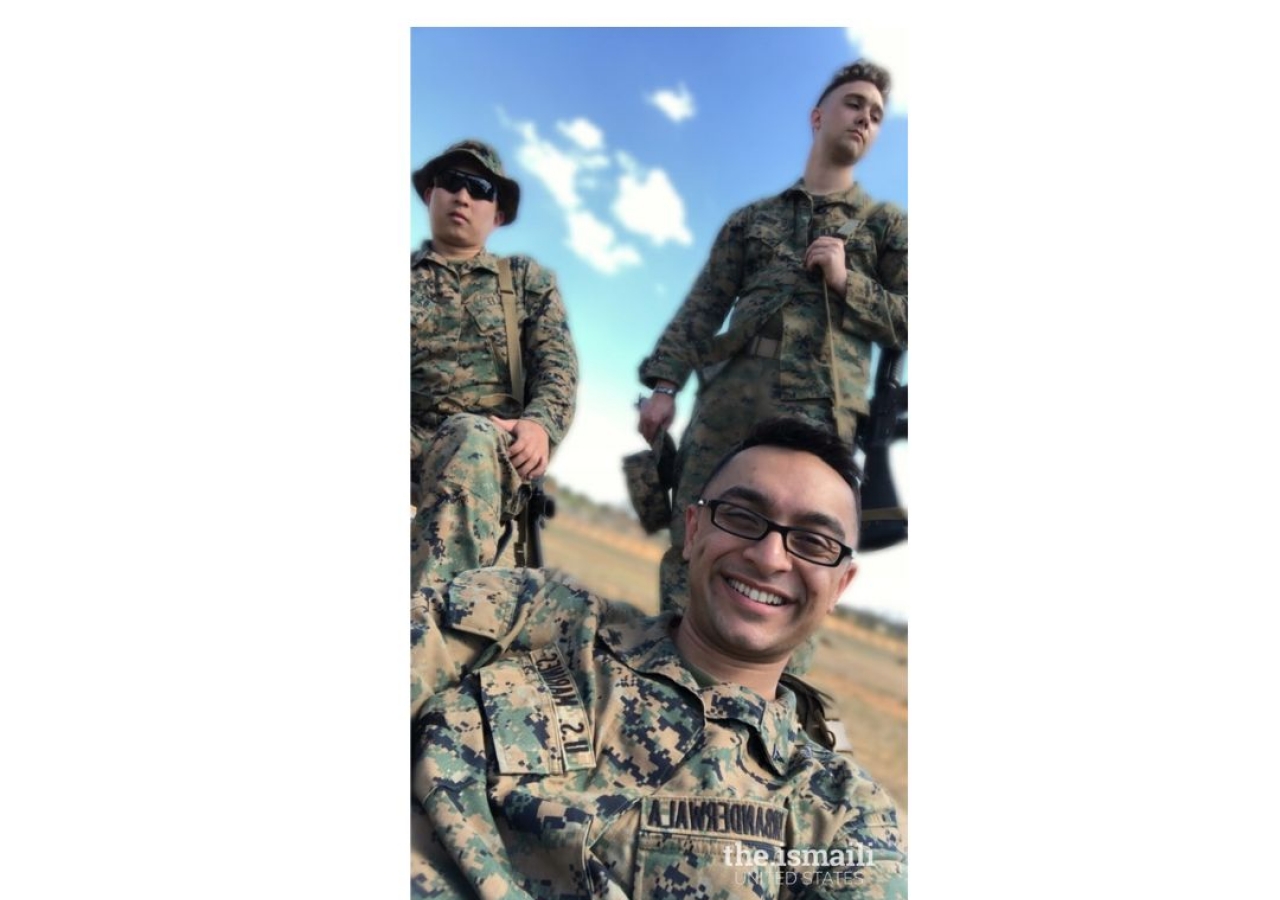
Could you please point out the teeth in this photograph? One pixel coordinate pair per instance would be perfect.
(756, 595)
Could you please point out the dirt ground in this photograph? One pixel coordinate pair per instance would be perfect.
(863, 669)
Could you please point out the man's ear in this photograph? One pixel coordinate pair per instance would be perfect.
(498, 218)
(815, 119)
(426, 196)
(844, 582)
(690, 530)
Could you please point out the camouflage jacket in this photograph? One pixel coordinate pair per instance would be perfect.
(579, 756)
(757, 261)
(458, 347)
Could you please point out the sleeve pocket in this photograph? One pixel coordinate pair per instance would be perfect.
(535, 717)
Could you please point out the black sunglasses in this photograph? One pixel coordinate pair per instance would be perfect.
(479, 188)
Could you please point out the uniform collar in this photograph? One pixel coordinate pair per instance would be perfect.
(854, 195)
(482, 260)
(645, 645)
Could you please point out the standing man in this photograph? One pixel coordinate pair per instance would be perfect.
(493, 370)
(813, 276)
(567, 746)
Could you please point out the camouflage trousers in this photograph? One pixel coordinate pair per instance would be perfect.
(467, 491)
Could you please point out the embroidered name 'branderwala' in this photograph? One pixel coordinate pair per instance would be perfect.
(717, 817)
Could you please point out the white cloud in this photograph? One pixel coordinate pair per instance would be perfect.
(592, 172)
(648, 204)
(595, 242)
(885, 45)
(583, 133)
(677, 105)
(550, 165)
(563, 172)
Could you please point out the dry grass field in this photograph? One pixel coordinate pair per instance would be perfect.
(863, 668)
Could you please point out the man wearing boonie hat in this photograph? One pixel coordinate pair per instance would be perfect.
(812, 276)
(483, 422)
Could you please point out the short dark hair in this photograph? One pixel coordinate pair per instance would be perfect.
(862, 70)
(790, 433)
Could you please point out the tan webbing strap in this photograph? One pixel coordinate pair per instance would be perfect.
(515, 363)
(846, 232)
(831, 354)
(515, 348)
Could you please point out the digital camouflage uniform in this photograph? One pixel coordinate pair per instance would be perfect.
(467, 487)
(757, 260)
(581, 757)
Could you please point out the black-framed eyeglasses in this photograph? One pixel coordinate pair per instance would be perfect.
(811, 546)
(479, 188)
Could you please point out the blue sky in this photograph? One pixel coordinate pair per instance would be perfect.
(632, 146)
(274, 376)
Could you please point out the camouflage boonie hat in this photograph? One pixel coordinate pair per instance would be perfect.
(650, 480)
(487, 158)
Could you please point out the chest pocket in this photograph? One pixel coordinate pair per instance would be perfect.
(435, 319)
(765, 245)
(535, 715)
(770, 270)
(486, 311)
(861, 252)
(735, 846)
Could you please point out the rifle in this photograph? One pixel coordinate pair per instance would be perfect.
(884, 520)
(540, 507)
(528, 524)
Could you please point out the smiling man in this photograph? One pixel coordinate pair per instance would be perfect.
(757, 600)
(493, 370)
(813, 276)
(567, 746)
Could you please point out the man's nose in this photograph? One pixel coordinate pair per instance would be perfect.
(769, 554)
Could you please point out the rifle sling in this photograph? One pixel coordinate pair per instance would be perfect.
(515, 348)
(846, 232)
(526, 540)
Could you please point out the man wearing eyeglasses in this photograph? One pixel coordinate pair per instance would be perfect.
(567, 746)
(479, 436)
(813, 276)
